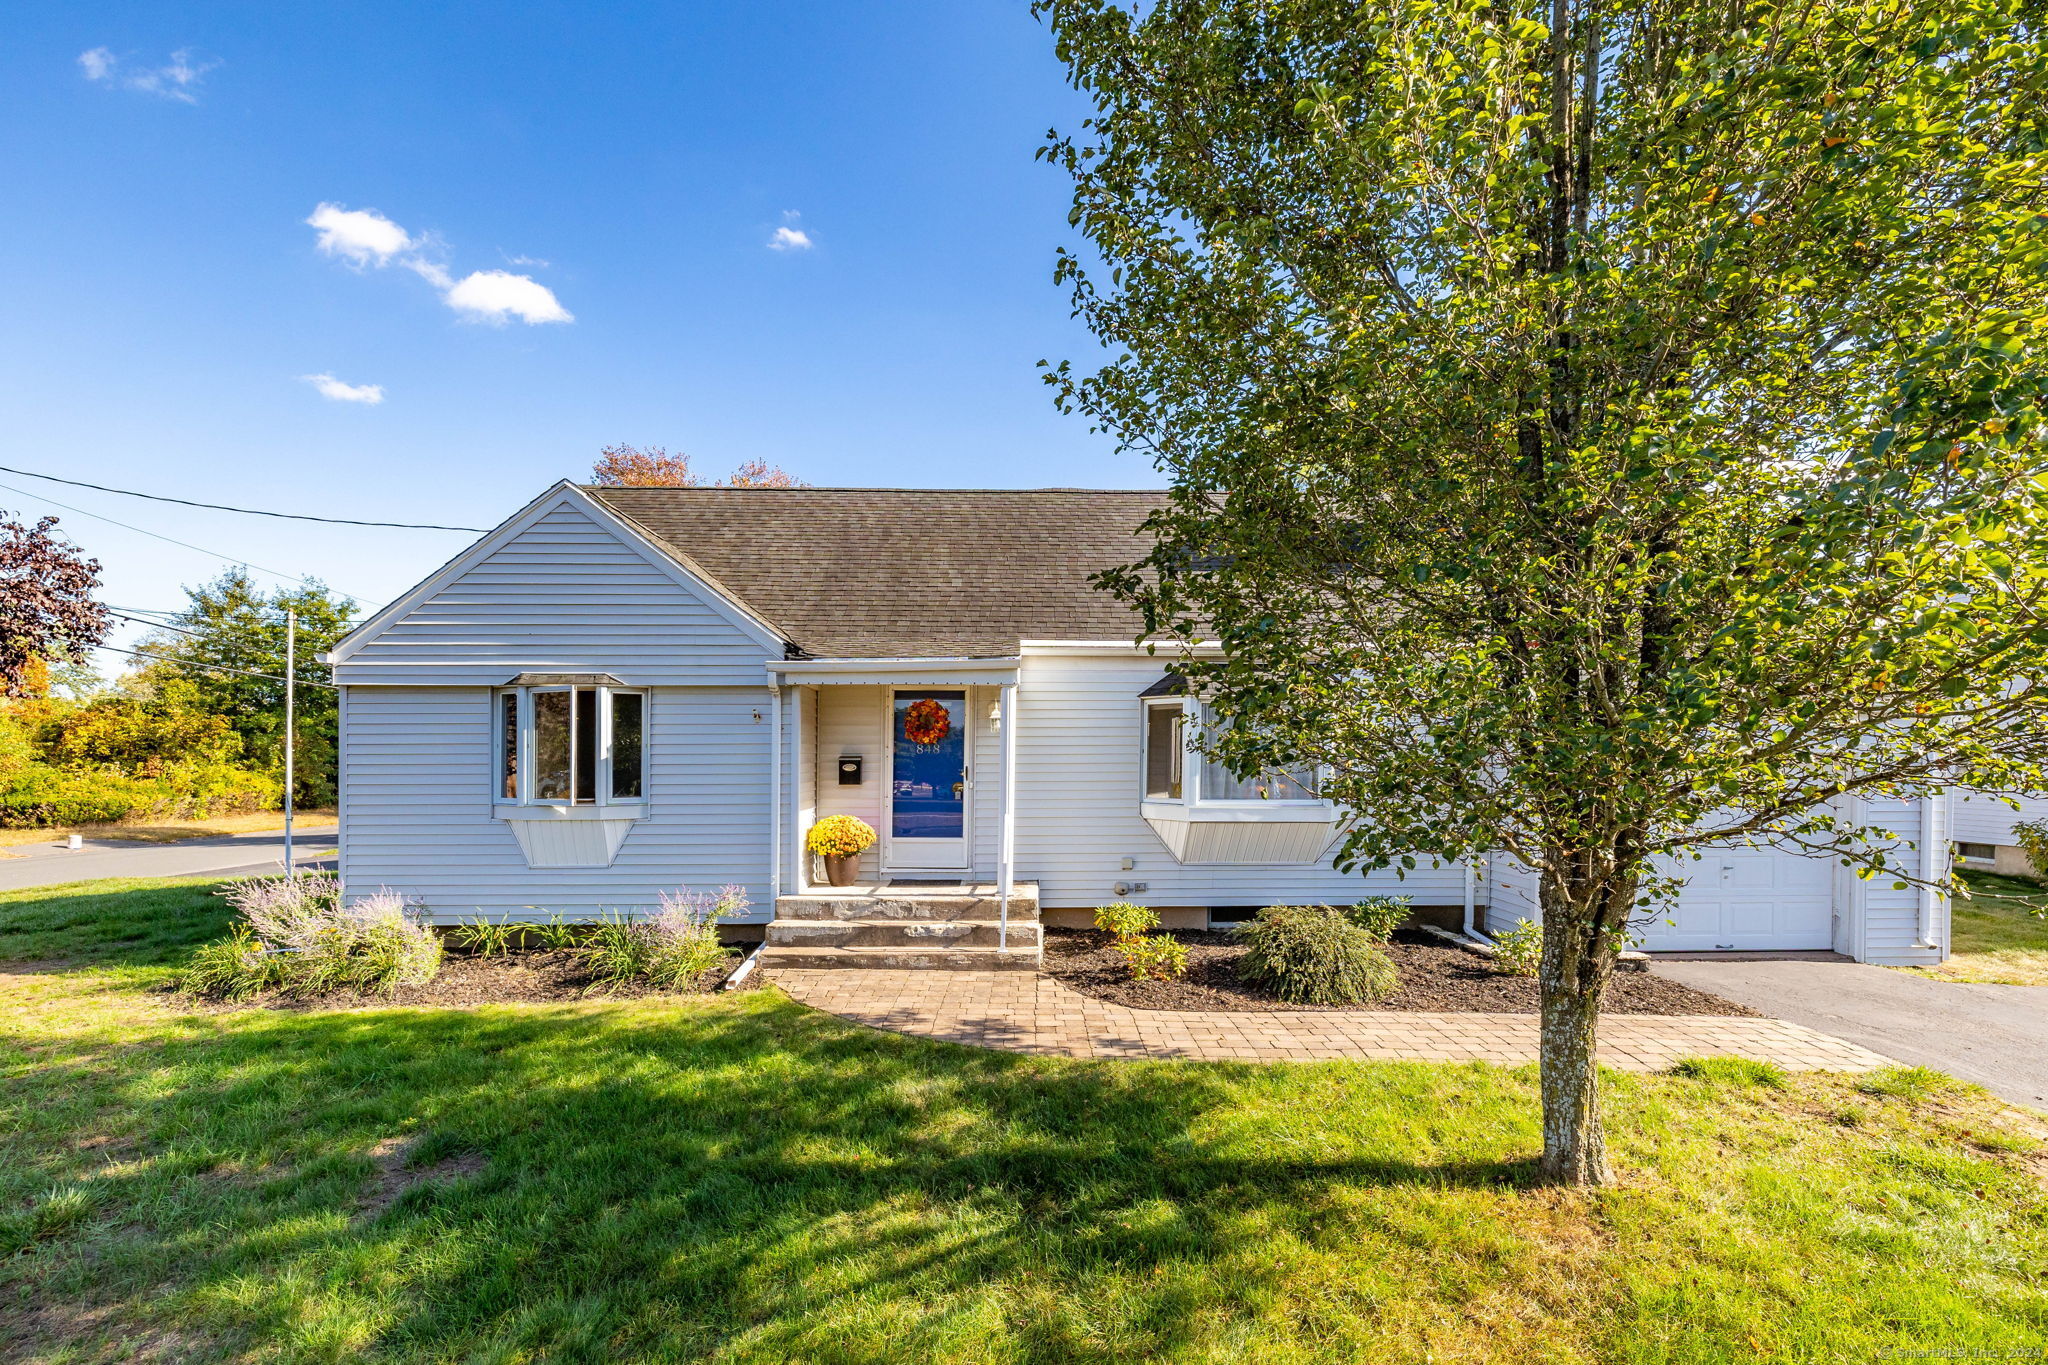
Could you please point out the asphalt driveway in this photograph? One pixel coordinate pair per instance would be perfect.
(1996, 1036)
(51, 865)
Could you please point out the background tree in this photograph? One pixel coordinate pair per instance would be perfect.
(46, 607)
(1594, 430)
(625, 466)
(231, 623)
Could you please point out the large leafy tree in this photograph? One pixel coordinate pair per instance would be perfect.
(47, 611)
(229, 646)
(1595, 430)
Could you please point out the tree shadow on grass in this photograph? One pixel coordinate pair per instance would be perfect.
(740, 1177)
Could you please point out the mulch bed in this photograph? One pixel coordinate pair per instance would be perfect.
(515, 978)
(1436, 978)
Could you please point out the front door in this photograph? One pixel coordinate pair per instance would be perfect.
(927, 782)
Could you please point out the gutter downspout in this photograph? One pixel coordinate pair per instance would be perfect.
(775, 793)
(1929, 828)
(1473, 933)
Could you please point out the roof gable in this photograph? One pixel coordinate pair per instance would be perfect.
(564, 583)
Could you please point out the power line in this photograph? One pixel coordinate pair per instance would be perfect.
(245, 511)
(154, 625)
(214, 668)
(226, 559)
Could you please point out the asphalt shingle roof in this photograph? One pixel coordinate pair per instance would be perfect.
(905, 572)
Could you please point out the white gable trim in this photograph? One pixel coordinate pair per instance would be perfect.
(563, 494)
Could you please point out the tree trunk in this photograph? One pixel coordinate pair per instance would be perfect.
(1582, 913)
(1574, 1144)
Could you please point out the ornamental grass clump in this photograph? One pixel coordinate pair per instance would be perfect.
(670, 949)
(1313, 955)
(1147, 955)
(300, 935)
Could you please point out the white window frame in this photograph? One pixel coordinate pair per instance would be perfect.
(601, 775)
(1146, 707)
(1192, 764)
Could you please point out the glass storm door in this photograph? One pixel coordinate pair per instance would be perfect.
(928, 781)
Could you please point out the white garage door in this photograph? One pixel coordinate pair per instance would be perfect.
(1747, 898)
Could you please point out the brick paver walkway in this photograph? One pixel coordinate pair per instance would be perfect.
(1025, 1012)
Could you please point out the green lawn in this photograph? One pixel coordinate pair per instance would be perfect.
(1996, 936)
(739, 1179)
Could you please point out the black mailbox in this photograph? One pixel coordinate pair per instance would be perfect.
(849, 771)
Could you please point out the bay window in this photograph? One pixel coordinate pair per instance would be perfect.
(1165, 750)
(1171, 727)
(571, 746)
(1206, 816)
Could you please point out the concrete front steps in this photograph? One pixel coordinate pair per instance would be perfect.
(956, 928)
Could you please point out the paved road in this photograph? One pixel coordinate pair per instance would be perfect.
(50, 864)
(1996, 1036)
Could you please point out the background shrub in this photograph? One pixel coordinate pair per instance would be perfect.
(2032, 837)
(1312, 955)
(1519, 951)
(1379, 916)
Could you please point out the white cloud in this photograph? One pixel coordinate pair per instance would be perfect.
(365, 237)
(495, 295)
(335, 389)
(359, 236)
(790, 237)
(177, 79)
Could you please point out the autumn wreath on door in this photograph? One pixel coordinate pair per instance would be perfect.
(925, 722)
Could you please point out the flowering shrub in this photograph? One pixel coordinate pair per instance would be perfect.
(671, 948)
(838, 836)
(299, 935)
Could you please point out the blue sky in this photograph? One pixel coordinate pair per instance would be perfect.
(169, 307)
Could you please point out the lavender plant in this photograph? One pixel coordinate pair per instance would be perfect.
(669, 949)
(302, 936)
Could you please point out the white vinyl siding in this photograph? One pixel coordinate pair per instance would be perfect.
(1080, 787)
(1981, 818)
(1881, 922)
(417, 777)
(564, 594)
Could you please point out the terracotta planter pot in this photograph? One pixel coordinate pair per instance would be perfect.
(842, 869)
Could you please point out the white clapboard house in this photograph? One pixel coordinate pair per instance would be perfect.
(621, 691)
